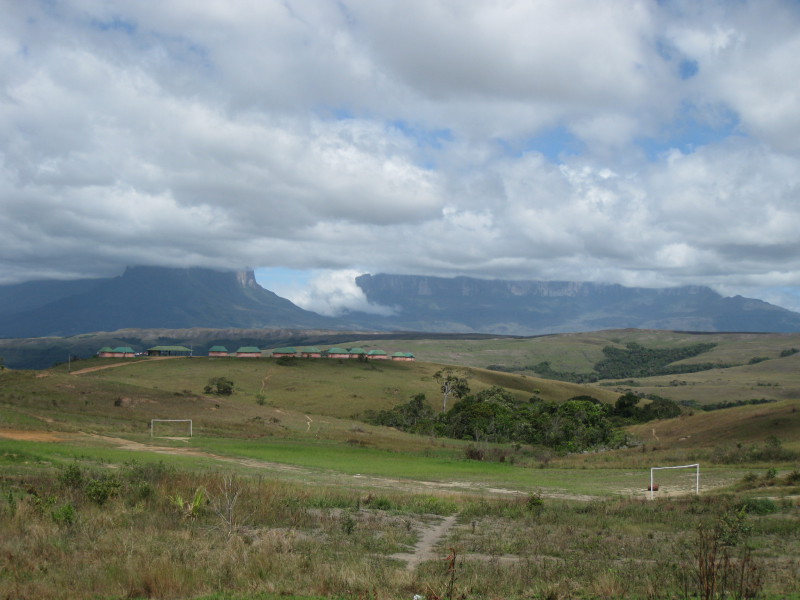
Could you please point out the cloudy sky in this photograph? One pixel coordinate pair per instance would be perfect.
(641, 142)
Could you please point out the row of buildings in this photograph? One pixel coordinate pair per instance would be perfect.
(255, 352)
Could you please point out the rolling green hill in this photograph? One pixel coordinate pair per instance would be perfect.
(339, 388)
(121, 397)
(280, 492)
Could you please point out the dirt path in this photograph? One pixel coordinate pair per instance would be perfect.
(120, 364)
(32, 436)
(430, 536)
(124, 444)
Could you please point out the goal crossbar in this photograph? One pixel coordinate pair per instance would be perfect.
(695, 466)
(152, 421)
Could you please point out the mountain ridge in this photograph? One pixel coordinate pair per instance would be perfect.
(156, 297)
(160, 297)
(466, 304)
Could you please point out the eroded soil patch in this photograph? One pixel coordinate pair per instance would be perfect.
(33, 436)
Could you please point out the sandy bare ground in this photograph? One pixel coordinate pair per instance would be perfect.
(124, 444)
(425, 548)
(33, 436)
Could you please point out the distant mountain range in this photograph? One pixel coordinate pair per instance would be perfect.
(159, 297)
(464, 304)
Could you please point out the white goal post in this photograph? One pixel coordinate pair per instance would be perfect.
(154, 421)
(652, 488)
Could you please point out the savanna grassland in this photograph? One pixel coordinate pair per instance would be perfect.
(284, 491)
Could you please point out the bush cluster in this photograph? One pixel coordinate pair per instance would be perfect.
(221, 386)
(494, 415)
(634, 360)
(637, 361)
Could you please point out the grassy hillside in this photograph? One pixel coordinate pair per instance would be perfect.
(579, 352)
(725, 428)
(338, 388)
(773, 377)
(315, 399)
(280, 494)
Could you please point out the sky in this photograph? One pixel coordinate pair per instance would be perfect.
(644, 143)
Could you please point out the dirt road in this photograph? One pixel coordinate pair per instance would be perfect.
(121, 364)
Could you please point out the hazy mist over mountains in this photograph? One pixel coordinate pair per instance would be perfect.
(160, 297)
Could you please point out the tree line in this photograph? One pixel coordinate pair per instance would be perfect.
(634, 360)
(494, 415)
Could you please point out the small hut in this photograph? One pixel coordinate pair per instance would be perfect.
(290, 351)
(357, 352)
(337, 353)
(218, 351)
(248, 352)
(123, 352)
(312, 352)
(169, 351)
(377, 354)
(403, 356)
(105, 352)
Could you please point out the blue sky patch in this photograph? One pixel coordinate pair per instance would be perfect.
(556, 144)
(688, 68)
(281, 280)
(691, 129)
(115, 24)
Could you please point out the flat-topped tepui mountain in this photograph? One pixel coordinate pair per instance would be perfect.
(170, 298)
(149, 298)
(464, 304)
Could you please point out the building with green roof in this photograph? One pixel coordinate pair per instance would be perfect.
(337, 353)
(311, 352)
(218, 351)
(169, 351)
(403, 356)
(377, 354)
(281, 352)
(123, 352)
(248, 352)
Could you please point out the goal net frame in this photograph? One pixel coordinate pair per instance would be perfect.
(153, 421)
(695, 466)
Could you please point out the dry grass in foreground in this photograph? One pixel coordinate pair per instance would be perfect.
(148, 531)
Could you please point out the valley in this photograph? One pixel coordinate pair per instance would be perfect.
(284, 489)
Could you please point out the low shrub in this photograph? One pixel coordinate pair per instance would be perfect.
(100, 490)
(71, 476)
(759, 506)
(64, 515)
(474, 453)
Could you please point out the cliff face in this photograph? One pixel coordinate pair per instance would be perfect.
(157, 297)
(383, 285)
(247, 279)
(463, 304)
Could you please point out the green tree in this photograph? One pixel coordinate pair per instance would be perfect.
(221, 386)
(659, 408)
(453, 384)
(415, 416)
(489, 415)
(625, 406)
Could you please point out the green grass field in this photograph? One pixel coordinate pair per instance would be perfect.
(300, 499)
